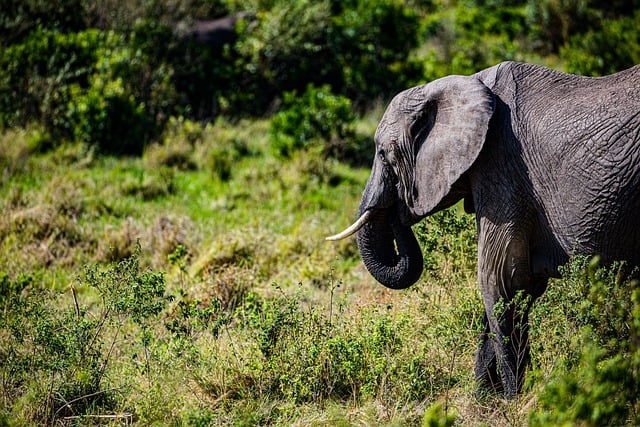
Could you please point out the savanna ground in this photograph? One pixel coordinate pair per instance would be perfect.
(156, 291)
(164, 207)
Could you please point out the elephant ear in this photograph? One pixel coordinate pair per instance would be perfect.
(448, 126)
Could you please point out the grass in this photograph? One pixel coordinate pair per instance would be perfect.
(193, 286)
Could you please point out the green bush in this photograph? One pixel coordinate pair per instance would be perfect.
(316, 117)
(375, 59)
(36, 75)
(312, 355)
(21, 17)
(553, 22)
(327, 42)
(285, 50)
(56, 357)
(449, 242)
(88, 86)
(465, 39)
(613, 47)
(589, 324)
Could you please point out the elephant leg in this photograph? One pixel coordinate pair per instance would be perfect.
(511, 325)
(504, 276)
(486, 364)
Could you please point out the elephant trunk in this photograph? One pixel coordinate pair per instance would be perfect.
(390, 251)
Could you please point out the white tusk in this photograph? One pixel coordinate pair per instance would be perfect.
(364, 218)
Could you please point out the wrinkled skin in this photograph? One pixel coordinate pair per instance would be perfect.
(549, 163)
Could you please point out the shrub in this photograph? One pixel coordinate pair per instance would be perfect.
(107, 116)
(56, 360)
(36, 74)
(589, 322)
(443, 238)
(611, 48)
(454, 35)
(20, 17)
(316, 117)
(90, 86)
(311, 355)
(374, 59)
(285, 50)
(319, 42)
(553, 23)
(126, 100)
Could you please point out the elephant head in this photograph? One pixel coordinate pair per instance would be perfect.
(428, 138)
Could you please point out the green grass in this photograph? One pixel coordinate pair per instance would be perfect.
(193, 286)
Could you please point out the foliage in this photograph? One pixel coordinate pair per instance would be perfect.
(375, 59)
(318, 42)
(595, 330)
(325, 354)
(141, 65)
(76, 86)
(554, 22)
(36, 74)
(437, 416)
(453, 36)
(21, 17)
(316, 117)
(613, 47)
(56, 360)
(285, 51)
(443, 237)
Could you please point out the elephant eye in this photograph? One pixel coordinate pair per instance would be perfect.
(383, 155)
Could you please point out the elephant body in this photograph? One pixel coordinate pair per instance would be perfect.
(216, 33)
(548, 162)
(577, 144)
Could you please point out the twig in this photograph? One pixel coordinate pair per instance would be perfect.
(75, 300)
(68, 404)
(127, 417)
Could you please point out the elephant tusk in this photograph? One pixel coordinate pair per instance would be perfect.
(364, 218)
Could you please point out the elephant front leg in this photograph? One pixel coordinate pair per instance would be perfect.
(486, 364)
(504, 276)
(509, 337)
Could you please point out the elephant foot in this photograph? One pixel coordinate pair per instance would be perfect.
(488, 382)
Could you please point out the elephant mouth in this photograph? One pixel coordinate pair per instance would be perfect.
(353, 228)
(404, 219)
(388, 248)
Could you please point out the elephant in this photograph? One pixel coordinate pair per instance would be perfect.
(216, 33)
(549, 163)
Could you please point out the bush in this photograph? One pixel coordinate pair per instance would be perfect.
(21, 17)
(87, 86)
(56, 360)
(553, 22)
(322, 42)
(589, 322)
(466, 39)
(285, 50)
(614, 47)
(312, 355)
(316, 117)
(36, 75)
(374, 59)
(443, 237)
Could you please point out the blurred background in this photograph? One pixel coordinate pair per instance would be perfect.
(89, 69)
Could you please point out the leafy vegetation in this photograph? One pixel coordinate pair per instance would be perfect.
(165, 201)
(316, 118)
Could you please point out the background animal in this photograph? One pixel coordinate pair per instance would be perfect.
(548, 162)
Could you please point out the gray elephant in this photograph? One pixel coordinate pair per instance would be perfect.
(549, 163)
